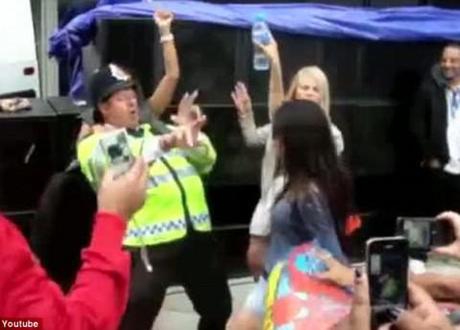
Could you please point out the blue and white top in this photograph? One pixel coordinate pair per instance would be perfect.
(295, 222)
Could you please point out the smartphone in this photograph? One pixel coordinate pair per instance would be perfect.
(387, 268)
(116, 149)
(425, 233)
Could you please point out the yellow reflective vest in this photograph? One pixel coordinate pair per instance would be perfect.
(175, 199)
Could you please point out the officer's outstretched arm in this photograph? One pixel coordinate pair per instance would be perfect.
(198, 149)
(194, 145)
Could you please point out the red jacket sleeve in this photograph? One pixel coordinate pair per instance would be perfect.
(98, 297)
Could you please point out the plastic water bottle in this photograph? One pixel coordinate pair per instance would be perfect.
(261, 34)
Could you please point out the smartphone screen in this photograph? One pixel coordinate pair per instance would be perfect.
(417, 231)
(424, 233)
(387, 264)
(116, 149)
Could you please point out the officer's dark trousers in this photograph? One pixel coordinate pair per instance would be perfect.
(196, 267)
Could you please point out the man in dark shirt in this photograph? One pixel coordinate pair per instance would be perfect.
(436, 125)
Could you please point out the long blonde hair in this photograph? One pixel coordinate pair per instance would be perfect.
(321, 80)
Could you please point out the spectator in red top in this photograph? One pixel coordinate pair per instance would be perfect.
(99, 295)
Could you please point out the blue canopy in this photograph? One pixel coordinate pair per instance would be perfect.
(391, 24)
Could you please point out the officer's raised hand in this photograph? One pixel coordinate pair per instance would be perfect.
(163, 20)
(187, 111)
(185, 136)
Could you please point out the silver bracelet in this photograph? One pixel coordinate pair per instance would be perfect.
(166, 38)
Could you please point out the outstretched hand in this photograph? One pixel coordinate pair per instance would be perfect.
(189, 120)
(187, 111)
(184, 136)
(241, 99)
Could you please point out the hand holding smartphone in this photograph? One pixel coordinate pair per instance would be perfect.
(117, 151)
(425, 233)
(387, 269)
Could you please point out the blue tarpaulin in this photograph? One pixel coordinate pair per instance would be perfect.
(391, 24)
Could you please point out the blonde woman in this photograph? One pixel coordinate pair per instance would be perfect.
(310, 83)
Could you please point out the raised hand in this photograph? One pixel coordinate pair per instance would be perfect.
(187, 111)
(187, 136)
(270, 50)
(241, 99)
(163, 20)
(189, 120)
(183, 136)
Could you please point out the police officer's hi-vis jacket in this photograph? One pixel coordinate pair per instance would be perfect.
(175, 199)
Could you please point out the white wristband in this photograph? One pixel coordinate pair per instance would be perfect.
(166, 38)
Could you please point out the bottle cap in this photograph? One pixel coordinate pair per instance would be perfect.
(261, 17)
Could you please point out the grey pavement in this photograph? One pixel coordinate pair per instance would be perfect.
(177, 312)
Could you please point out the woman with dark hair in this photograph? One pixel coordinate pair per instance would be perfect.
(315, 196)
(313, 201)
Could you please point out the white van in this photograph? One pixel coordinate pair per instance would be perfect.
(18, 56)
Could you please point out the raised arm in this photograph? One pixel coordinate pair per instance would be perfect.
(194, 145)
(276, 87)
(164, 92)
(253, 136)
